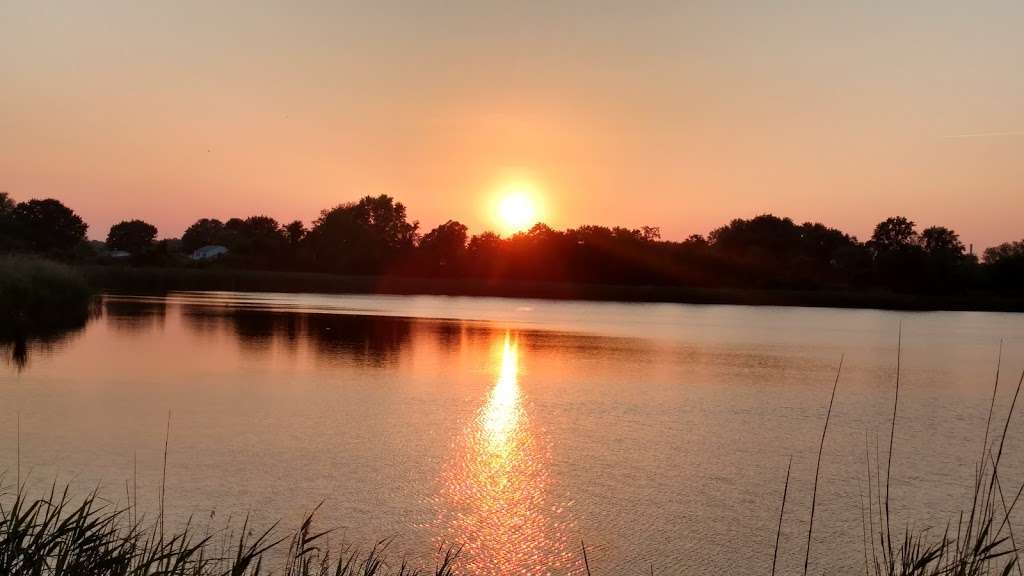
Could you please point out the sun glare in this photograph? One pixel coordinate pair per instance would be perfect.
(517, 207)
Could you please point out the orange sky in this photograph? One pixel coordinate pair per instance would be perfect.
(675, 114)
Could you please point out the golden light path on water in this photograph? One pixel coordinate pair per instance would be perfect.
(497, 503)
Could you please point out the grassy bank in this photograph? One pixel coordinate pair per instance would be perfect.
(158, 280)
(39, 296)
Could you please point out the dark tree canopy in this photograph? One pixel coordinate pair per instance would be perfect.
(295, 232)
(942, 242)
(366, 237)
(134, 236)
(1006, 266)
(1005, 252)
(760, 237)
(257, 235)
(443, 248)
(775, 252)
(374, 236)
(205, 232)
(48, 226)
(7, 204)
(894, 233)
(9, 238)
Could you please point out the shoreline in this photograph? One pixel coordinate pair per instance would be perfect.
(162, 280)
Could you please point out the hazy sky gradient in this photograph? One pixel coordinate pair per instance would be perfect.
(675, 114)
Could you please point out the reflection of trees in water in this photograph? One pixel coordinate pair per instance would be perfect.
(450, 336)
(373, 340)
(135, 316)
(203, 320)
(258, 331)
(365, 339)
(370, 339)
(17, 347)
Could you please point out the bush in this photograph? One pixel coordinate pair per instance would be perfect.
(38, 296)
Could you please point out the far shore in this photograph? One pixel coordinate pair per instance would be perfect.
(160, 280)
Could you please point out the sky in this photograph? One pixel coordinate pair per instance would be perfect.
(679, 114)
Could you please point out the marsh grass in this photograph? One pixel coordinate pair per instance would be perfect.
(979, 543)
(52, 535)
(39, 297)
(981, 540)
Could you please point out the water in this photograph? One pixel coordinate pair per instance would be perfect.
(657, 433)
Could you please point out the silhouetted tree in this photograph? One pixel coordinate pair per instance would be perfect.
(7, 204)
(941, 242)
(295, 232)
(536, 254)
(1005, 264)
(134, 236)
(262, 235)
(949, 267)
(442, 250)
(599, 254)
(900, 262)
(696, 240)
(8, 236)
(367, 237)
(484, 253)
(650, 233)
(374, 236)
(894, 233)
(205, 232)
(760, 236)
(255, 242)
(233, 235)
(759, 251)
(830, 256)
(1005, 251)
(48, 226)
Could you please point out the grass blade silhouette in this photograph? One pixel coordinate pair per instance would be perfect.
(892, 435)
(778, 533)
(817, 467)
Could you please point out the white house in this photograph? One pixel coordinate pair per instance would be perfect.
(209, 252)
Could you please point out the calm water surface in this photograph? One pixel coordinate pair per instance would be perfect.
(657, 433)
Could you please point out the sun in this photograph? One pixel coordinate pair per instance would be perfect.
(517, 207)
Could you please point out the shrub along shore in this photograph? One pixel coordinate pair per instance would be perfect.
(40, 296)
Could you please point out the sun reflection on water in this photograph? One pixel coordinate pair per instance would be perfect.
(497, 501)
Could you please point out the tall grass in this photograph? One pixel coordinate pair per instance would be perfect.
(52, 536)
(40, 296)
(980, 543)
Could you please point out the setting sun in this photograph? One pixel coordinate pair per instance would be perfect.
(517, 207)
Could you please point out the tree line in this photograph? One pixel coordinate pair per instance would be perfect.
(374, 236)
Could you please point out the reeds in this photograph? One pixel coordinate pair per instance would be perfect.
(38, 296)
(983, 542)
(53, 536)
(979, 543)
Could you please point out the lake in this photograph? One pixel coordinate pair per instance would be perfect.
(658, 434)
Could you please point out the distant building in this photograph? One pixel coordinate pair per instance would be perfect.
(209, 252)
(119, 254)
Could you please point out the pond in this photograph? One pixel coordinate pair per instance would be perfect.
(659, 434)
